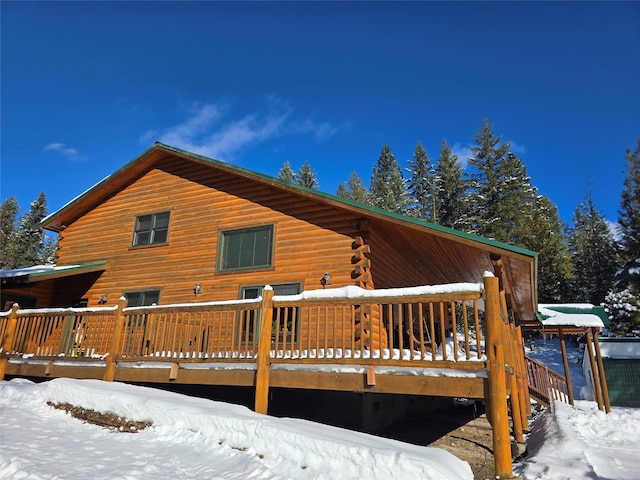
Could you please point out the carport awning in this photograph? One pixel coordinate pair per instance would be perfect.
(39, 273)
(572, 315)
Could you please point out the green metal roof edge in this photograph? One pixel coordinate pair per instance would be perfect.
(71, 268)
(311, 191)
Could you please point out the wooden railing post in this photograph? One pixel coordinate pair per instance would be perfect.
(594, 370)
(116, 341)
(516, 407)
(264, 348)
(525, 399)
(603, 379)
(497, 380)
(7, 341)
(565, 362)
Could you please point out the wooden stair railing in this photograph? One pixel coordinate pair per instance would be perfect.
(545, 384)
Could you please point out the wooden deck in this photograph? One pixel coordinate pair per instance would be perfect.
(440, 341)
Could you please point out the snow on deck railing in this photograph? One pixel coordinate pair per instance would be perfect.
(355, 292)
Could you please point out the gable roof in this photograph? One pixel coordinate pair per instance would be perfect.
(525, 290)
(69, 212)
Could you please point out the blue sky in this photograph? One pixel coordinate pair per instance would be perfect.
(88, 86)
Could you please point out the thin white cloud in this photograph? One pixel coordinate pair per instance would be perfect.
(68, 152)
(463, 153)
(207, 132)
(148, 136)
(320, 131)
(517, 148)
(200, 120)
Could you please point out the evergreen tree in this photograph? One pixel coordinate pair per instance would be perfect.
(306, 177)
(516, 197)
(49, 255)
(450, 201)
(388, 189)
(484, 196)
(623, 309)
(543, 233)
(30, 239)
(622, 303)
(354, 189)
(629, 222)
(593, 254)
(8, 214)
(422, 185)
(286, 173)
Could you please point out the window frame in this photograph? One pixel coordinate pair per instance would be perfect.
(240, 335)
(223, 243)
(143, 294)
(151, 231)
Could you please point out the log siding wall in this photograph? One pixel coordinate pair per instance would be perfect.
(309, 239)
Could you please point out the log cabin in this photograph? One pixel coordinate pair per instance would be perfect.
(175, 260)
(176, 227)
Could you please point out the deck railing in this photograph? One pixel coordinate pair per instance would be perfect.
(420, 324)
(58, 332)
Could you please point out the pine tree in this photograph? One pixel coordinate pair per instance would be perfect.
(29, 238)
(388, 189)
(629, 223)
(484, 197)
(450, 200)
(622, 303)
(49, 255)
(8, 214)
(543, 233)
(354, 189)
(306, 177)
(516, 196)
(593, 254)
(286, 173)
(422, 185)
(623, 309)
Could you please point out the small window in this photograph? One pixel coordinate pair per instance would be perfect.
(142, 299)
(151, 229)
(246, 248)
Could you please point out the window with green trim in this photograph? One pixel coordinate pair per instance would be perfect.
(142, 299)
(246, 248)
(151, 229)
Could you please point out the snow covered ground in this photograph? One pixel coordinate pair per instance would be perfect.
(198, 438)
(581, 442)
(190, 438)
